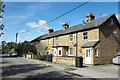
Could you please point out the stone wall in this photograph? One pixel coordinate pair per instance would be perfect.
(64, 60)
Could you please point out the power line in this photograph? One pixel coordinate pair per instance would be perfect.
(59, 16)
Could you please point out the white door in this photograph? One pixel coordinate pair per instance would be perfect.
(88, 56)
(54, 52)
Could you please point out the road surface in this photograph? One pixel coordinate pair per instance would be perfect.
(15, 67)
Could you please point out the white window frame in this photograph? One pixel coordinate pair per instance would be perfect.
(49, 42)
(111, 21)
(96, 55)
(70, 51)
(56, 40)
(55, 52)
(41, 42)
(85, 35)
(58, 51)
(70, 36)
(118, 51)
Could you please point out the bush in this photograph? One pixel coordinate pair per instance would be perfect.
(6, 50)
(42, 57)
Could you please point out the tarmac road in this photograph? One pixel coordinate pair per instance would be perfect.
(14, 67)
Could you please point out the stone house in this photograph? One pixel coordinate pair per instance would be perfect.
(97, 41)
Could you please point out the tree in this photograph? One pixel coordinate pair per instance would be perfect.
(3, 43)
(19, 49)
(11, 45)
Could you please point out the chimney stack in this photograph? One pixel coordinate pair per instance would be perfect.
(50, 30)
(90, 17)
(65, 26)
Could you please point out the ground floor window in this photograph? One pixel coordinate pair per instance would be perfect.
(118, 51)
(70, 52)
(59, 51)
(96, 52)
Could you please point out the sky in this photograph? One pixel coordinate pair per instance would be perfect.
(20, 17)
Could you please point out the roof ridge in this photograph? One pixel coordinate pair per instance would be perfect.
(92, 24)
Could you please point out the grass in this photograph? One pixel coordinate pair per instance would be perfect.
(72, 65)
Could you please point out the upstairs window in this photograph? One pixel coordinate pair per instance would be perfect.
(56, 40)
(49, 41)
(70, 38)
(111, 21)
(85, 36)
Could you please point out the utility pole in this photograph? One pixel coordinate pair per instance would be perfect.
(16, 40)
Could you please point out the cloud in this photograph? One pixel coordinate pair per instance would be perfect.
(42, 24)
(32, 24)
(28, 33)
(22, 31)
(4, 32)
(28, 38)
(61, 22)
(19, 38)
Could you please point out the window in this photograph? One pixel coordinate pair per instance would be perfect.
(87, 52)
(41, 42)
(118, 51)
(70, 38)
(96, 52)
(59, 52)
(85, 37)
(111, 20)
(49, 41)
(70, 51)
(56, 40)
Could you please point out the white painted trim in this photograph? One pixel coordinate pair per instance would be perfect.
(69, 52)
(97, 52)
(69, 37)
(94, 40)
(83, 35)
(49, 41)
(90, 55)
(54, 52)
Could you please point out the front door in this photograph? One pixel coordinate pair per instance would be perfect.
(54, 52)
(88, 56)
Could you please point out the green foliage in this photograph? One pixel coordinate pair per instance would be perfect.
(3, 43)
(42, 57)
(19, 48)
(12, 49)
(72, 65)
(6, 50)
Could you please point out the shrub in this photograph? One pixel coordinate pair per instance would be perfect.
(42, 57)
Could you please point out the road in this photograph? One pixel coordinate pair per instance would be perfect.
(15, 67)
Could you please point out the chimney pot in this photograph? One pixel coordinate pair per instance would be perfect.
(90, 17)
(50, 30)
(65, 26)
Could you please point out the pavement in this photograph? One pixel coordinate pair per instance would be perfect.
(101, 71)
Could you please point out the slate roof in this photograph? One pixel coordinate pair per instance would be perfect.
(90, 44)
(80, 27)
